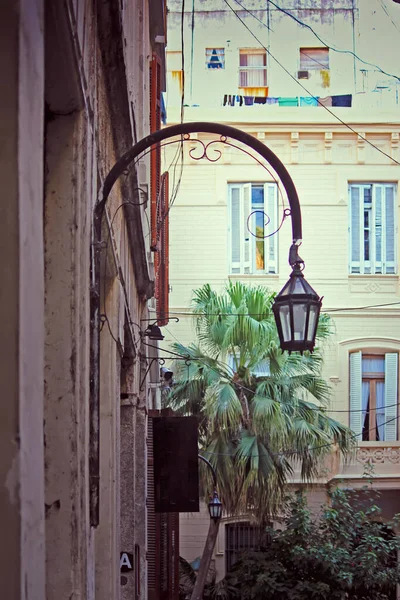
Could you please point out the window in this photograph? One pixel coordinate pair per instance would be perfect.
(314, 59)
(252, 68)
(373, 396)
(215, 58)
(262, 369)
(372, 228)
(253, 221)
(240, 537)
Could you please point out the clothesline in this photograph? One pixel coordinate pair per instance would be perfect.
(240, 100)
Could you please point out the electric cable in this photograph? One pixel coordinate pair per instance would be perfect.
(385, 10)
(328, 311)
(254, 392)
(302, 24)
(294, 452)
(333, 114)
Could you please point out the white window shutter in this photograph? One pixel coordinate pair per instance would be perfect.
(379, 230)
(271, 243)
(235, 228)
(356, 244)
(391, 375)
(246, 235)
(355, 392)
(389, 230)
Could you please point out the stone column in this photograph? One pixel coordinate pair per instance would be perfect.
(22, 573)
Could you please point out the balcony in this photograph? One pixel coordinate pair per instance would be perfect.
(377, 460)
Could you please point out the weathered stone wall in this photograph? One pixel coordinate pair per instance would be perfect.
(21, 301)
(77, 98)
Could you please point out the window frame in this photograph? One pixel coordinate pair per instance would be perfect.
(373, 378)
(246, 248)
(312, 64)
(233, 530)
(359, 262)
(253, 68)
(208, 59)
(391, 393)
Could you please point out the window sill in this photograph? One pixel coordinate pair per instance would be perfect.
(253, 276)
(395, 444)
(373, 275)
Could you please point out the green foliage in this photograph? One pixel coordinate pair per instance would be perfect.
(253, 428)
(221, 590)
(347, 553)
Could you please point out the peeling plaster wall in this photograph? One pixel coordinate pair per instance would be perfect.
(366, 29)
(76, 98)
(21, 302)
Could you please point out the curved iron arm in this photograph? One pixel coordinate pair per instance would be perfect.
(204, 127)
(117, 170)
(214, 474)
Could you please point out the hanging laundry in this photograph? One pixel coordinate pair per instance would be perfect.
(288, 101)
(308, 101)
(163, 109)
(260, 100)
(225, 99)
(343, 100)
(272, 100)
(325, 101)
(248, 100)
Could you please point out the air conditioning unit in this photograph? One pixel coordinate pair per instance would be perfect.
(303, 74)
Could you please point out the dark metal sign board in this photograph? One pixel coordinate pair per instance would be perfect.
(176, 467)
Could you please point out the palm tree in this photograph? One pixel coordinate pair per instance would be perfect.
(260, 410)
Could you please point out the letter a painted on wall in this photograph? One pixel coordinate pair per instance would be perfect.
(126, 562)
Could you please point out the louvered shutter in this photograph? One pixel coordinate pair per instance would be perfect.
(390, 229)
(391, 378)
(162, 256)
(173, 553)
(153, 575)
(246, 241)
(355, 392)
(355, 199)
(235, 228)
(378, 192)
(155, 154)
(271, 243)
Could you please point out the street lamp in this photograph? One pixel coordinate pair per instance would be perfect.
(215, 507)
(153, 332)
(296, 309)
(215, 510)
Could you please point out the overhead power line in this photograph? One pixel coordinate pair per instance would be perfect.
(246, 389)
(333, 114)
(333, 48)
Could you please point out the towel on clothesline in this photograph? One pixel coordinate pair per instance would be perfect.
(289, 101)
(308, 101)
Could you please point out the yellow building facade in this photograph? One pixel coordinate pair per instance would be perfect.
(345, 163)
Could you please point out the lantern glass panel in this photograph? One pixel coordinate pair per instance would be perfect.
(215, 509)
(299, 321)
(284, 315)
(298, 287)
(313, 322)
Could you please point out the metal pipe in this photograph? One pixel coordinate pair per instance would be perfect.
(186, 128)
(212, 470)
